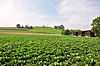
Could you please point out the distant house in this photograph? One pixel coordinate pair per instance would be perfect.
(84, 33)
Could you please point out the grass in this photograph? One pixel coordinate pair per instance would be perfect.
(49, 50)
(48, 30)
(45, 30)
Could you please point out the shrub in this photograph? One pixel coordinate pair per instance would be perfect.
(30, 27)
(66, 32)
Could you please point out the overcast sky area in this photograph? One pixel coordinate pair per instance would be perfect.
(73, 14)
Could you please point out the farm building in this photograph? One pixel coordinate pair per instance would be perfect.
(84, 33)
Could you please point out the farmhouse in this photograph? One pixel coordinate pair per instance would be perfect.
(84, 33)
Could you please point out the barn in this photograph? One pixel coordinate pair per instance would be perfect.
(84, 33)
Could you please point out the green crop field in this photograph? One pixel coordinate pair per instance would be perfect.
(31, 50)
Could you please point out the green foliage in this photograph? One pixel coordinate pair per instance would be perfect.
(30, 27)
(46, 30)
(66, 32)
(59, 27)
(55, 27)
(96, 26)
(26, 26)
(18, 25)
(20, 50)
(22, 27)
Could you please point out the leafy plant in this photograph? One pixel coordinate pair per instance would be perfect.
(49, 50)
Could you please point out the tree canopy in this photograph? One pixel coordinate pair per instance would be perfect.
(96, 26)
(18, 25)
(66, 32)
(59, 27)
(26, 26)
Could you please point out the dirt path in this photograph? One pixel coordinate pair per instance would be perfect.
(29, 33)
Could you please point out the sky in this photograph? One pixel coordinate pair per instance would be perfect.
(73, 14)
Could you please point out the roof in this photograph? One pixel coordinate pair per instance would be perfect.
(87, 31)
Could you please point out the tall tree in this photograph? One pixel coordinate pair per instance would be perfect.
(18, 25)
(59, 27)
(96, 26)
(62, 27)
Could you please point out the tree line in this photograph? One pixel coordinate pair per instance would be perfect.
(26, 26)
(59, 27)
(95, 28)
(65, 31)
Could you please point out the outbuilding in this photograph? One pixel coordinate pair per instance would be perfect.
(84, 33)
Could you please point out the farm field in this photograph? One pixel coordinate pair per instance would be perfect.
(46, 30)
(42, 30)
(49, 50)
(22, 33)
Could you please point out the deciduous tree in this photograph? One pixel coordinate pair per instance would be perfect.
(96, 26)
(18, 25)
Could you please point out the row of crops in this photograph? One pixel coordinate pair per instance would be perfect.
(49, 50)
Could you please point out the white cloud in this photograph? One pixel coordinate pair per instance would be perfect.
(74, 14)
(78, 13)
(13, 12)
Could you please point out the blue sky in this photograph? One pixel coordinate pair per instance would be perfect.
(73, 14)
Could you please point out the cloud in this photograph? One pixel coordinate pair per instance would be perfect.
(13, 12)
(78, 14)
(73, 14)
